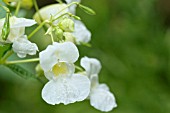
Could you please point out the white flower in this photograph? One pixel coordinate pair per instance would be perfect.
(22, 46)
(81, 33)
(51, 10)
(100, 96)
(64, 86)
(72, 8)
(17, 28)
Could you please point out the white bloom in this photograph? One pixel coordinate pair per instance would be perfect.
(51, 10)
(72, 8)
(17, 27)
(64, 86)
(100, 96)
(81, 33)
(22, 46)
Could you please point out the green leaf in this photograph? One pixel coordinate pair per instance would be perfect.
(4, 49)
(87, 9)
(21, 71)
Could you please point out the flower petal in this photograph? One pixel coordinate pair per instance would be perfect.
(49, 10)
(81, 33)
(48, 58)
(66, 52)
(102, 99)
(58, 52)
(94, 80)
(23, 46)
(21, 22)
(66, 89)
(91, 65)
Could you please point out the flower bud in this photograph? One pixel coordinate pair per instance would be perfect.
(59, 33)
(69, 37)
(67, 25)
(39, 70)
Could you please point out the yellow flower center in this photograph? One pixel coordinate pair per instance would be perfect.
(60, 68)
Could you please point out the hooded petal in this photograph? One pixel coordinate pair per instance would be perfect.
(49, 10)
(102, 99)
(58, 52)
(66, 52)
(91, 65)
(81, 33)
(22, 46)
(66, 89)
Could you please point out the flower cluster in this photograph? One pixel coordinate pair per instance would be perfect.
(21, 45)
(57, 61)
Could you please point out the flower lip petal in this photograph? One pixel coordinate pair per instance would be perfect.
(66, 89)
(102, 99)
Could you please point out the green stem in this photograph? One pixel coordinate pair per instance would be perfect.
(52, 38)
(59, 1)
(37, 29)
(37, 10)
(5, 8)
(9, 53)
(66, 7)
(61, 16)
(22, 61)
(78, 68)
(18, 7)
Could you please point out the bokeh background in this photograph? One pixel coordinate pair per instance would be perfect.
(132, 40)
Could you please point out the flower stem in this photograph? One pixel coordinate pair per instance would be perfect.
(22, 61)
(66, 7)
(37, 29)
(9, 53)
(37, 10)
(52, 38)
(18, 7)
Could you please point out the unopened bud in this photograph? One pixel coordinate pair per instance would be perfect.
(69, 37)
(67, 25)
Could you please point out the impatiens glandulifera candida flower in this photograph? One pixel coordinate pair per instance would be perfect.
(100, 96)
(22, 46)
(17, 28)
(64, 86)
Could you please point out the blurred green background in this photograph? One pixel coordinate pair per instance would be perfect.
(132, 40)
